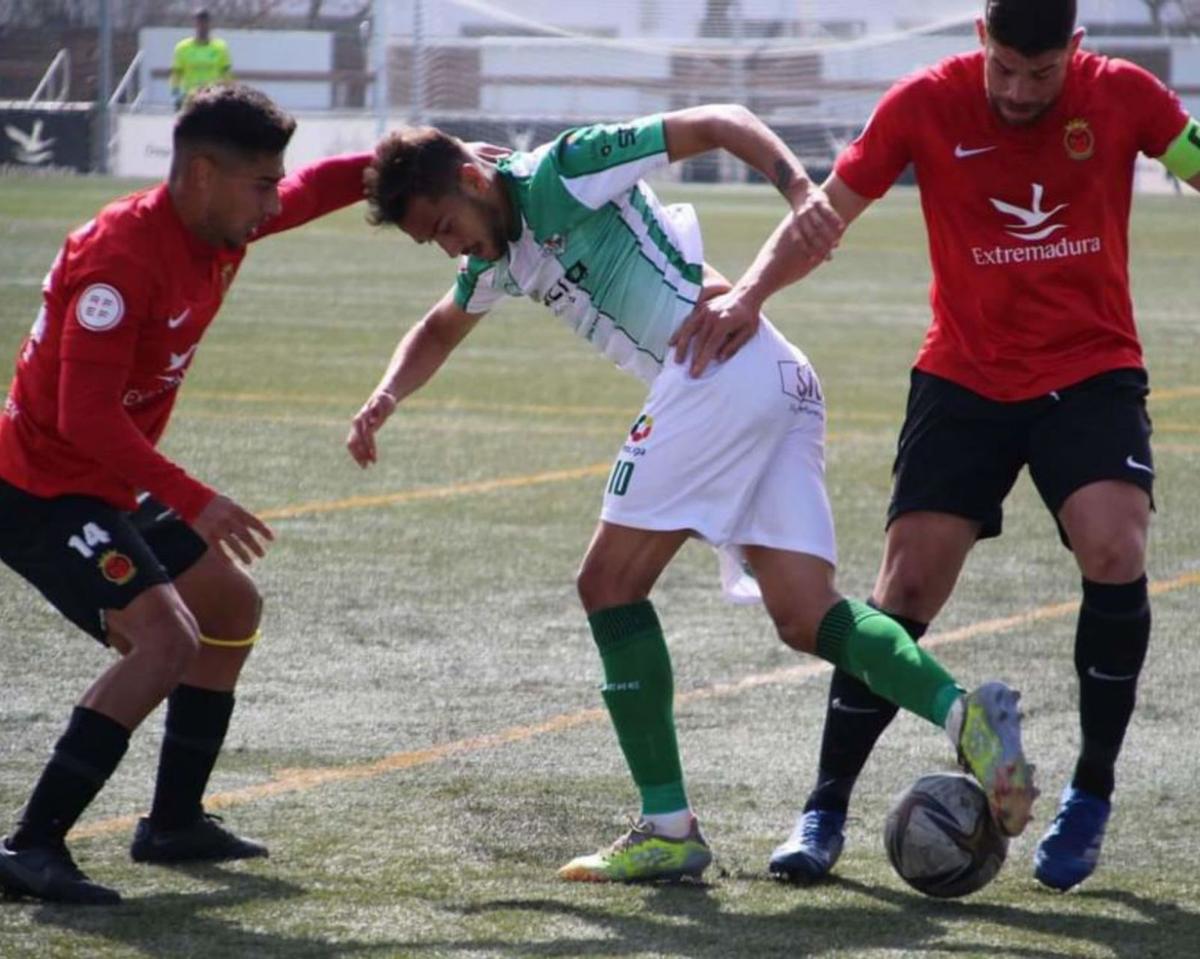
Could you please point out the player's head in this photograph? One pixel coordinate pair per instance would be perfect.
(228, 160)
(433, 188)
(203, 21)
(1028, 46)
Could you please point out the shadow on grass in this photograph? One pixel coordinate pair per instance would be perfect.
(186, 924)
(689, 920)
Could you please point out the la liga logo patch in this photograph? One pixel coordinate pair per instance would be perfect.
(641, 428)
(117, 567)
(1079, 140)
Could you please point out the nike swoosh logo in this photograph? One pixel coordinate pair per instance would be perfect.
(176, 321)
(960, 151)
(1135, 465)
(841, 707)
(1108, 677)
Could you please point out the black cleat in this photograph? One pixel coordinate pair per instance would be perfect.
(205, 840)
(49, 873)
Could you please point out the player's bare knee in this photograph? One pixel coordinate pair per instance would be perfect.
(1116, 559)
(600, 587)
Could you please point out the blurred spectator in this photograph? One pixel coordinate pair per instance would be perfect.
(199, 60)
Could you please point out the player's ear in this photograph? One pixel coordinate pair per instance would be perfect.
(472, 180)
(981, 31)
(1075, 41)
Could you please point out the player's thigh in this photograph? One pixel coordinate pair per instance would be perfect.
(923, 555)
(958, 453)
(220, 593)
(623, 563)
(1099, 432)
(83, 555)
(797, 590)
(1107, 524)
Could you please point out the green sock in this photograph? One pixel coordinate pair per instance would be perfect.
(639, 692)
(874, 648)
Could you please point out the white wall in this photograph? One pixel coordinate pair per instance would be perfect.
(144, 140)
(308, 50)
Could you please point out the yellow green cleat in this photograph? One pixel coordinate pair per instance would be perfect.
(641, 856)
(989, 748)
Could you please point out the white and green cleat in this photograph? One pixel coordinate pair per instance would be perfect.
(641, 856)
(989, 748)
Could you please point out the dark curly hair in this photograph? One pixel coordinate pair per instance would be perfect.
(235, 117)
(1031, 27)
(411, 162)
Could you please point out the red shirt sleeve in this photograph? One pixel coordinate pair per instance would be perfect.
(1156, 110)
(99, 338)
(317, 189)
(871, 164)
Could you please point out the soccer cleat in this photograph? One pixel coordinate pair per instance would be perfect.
(49, 872)
(812, 849)
(205, 840)
(989, 748)
(1070, 849)
(641, 856)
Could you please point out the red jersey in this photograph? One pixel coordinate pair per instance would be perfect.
(1028, 226)
(124, 308)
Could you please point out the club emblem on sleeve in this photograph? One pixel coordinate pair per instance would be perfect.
(117, 567)
(1079, 139)
(99, 308)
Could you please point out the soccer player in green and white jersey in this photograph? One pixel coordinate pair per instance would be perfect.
(735, 456)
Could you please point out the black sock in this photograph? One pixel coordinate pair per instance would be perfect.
(1110, 647)
(854, 720)
(197, 720)
(83, 759)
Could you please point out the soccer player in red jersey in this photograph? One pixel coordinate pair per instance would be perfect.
(125, 543)
(1024, 154)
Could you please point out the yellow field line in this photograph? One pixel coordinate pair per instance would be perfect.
(434, 492)
(473, 406)
(300, 780)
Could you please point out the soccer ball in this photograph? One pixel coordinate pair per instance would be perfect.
(940, 836)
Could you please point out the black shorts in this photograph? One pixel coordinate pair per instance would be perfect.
(86, 556)
(960, 452)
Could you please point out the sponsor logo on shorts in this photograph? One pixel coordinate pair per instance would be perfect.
(799, 381)
(117, 567)
(1109, 677)
(1135, 465)
(642, 428)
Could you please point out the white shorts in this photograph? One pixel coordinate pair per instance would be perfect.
(737, 456)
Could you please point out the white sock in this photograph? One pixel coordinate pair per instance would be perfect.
(670, 825)
(954, 720)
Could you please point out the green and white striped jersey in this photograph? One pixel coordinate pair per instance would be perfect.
(595, 245)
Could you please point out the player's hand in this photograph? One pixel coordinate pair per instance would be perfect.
(816, 228)
(715, 330)
(223, 523)
(375, 412)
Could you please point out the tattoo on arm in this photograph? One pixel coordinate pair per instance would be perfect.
(783, 176)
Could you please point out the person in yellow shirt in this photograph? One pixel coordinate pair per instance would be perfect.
(199, 60)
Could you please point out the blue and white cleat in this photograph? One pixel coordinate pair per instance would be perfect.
(1070, 849)
(812, 849)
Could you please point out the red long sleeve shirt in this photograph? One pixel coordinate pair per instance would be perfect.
(125, 306)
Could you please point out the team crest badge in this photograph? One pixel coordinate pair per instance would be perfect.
(117, 567)
(1079, 140)
(641, 428)
(554, 245)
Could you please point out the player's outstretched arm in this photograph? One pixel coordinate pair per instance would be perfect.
(418, 356)
(735, 129)
(718, 327)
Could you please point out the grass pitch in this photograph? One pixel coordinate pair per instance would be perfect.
(419, 736)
